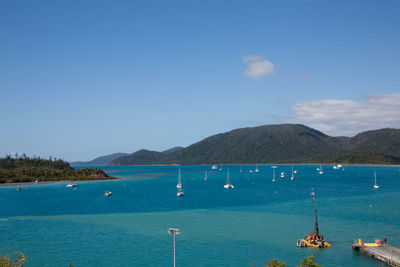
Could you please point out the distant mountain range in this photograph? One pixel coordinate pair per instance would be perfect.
(284, 143)
(291, 143)
(103, 160)
(145, 157)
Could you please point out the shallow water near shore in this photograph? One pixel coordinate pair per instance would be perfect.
(257, 220)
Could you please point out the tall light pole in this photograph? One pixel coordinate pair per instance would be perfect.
(174, 231)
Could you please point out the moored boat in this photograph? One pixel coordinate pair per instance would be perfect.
(180, 193)
(228, 184)
(314, 239)
(273, 171)
(376, 186)
(179, 185)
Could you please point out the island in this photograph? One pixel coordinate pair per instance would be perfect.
(278, 144)
(24, 169)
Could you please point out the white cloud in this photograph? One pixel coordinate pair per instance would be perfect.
(258, 66)
(347, 117)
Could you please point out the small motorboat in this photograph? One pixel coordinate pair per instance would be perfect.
(107, 193)
(19, 188)
(71, 185)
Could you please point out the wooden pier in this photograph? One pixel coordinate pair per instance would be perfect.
(388, 254)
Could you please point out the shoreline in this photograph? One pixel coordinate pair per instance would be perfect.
(59, 181)
(238, 164)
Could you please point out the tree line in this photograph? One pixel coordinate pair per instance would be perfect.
(21, 169)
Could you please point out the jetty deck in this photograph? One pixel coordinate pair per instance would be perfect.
(388, 254)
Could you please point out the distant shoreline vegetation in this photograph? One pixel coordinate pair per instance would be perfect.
(23, 169)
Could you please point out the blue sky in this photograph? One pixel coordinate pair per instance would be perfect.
(80, 79)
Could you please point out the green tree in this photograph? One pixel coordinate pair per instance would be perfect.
(18, 261)
(309, 262)
(275, 263)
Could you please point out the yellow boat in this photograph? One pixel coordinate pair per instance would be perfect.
(314, 240)
(313, 243)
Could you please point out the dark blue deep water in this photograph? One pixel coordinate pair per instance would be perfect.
(245, 226)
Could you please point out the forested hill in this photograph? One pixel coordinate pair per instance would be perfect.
(26, 169)
(144, 157)
(284, 143)
(103, 160)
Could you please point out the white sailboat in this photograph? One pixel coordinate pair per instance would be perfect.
(256, 170)
(282, 174)
(241, 169)
(292, 178)
(321, 171)
(375, 185)
(179, 185)
(214, 167)
(205, 176)
(228, 184)
(273, 171)
(180, 193)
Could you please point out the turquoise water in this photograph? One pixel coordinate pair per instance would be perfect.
(257, 220)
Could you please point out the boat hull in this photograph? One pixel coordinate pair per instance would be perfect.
(313, 243)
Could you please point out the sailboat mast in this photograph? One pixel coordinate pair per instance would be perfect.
(227, 177)
(179, 176)
(375, 177)
(316, 228)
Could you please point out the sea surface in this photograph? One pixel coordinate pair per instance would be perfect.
(245, 226)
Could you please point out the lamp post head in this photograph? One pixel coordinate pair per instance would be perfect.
(174, 231)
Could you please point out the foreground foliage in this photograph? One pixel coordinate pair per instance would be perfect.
(309, 262)
(306, 262)
(275, 263)
(25, 169)
(19, 260)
